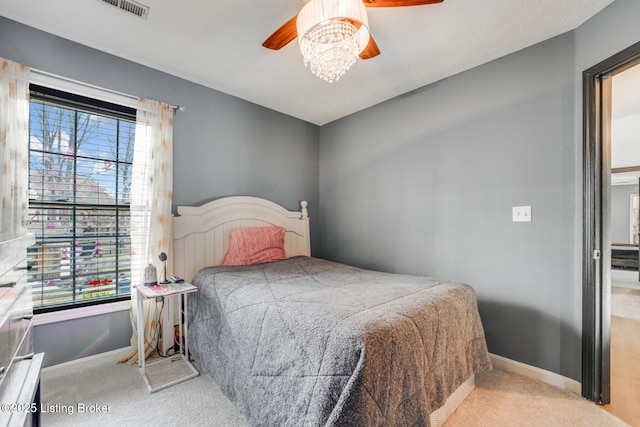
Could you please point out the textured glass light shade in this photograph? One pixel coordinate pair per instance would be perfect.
(331, 34)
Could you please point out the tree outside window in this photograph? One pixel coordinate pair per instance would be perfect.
(80, 167)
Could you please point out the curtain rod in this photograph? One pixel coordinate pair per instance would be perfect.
(44, 78)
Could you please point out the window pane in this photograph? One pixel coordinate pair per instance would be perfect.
(97, 137)
(124, 184)
(96, 182)
(79, 190)
(127, 138)
(52, 129)
(52, 177)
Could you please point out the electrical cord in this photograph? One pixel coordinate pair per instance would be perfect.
(167, 354)
(156, 333)
(156, 330)
(138, 329)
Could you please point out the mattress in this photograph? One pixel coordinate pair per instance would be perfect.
(306, 342)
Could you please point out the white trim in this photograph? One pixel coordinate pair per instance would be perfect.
(442, 414)
(43, 78)
(80, 312)
(65, 84)
(536, 373)
(56, 371)
(53, 81)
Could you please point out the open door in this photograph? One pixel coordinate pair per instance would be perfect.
(596, 265)
(596, 322)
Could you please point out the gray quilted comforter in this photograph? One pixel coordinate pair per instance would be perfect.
(306, 342)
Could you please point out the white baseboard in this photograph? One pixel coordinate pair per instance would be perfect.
(539, 374)
(66, 368)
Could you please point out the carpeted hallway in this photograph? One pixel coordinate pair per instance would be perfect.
(625, 352)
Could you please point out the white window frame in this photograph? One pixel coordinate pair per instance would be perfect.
(42, 78)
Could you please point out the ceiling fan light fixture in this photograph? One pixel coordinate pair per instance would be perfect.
(332, 33)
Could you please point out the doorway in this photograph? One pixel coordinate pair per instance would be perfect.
(596, 327)
(625, 239)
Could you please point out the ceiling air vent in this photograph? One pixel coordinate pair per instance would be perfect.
(130, 6)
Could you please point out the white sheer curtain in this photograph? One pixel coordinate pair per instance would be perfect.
(151, 196)
(14, 146)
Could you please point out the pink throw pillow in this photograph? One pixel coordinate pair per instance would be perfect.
(255, 245)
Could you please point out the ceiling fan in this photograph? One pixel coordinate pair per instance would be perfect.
(332, 33)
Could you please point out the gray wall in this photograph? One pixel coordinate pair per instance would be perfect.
(222, 146)
(620, 206)
(73, 339)
(424, 183)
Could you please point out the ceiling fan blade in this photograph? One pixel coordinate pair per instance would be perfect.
(398, 3)
(283, 35)
(371, 50)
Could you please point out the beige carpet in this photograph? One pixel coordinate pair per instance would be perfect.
(507, 399)
(500, 399)
(121, 389)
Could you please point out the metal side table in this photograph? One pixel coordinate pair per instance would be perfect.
(169, 290)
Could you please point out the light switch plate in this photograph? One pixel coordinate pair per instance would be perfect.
(522, 214)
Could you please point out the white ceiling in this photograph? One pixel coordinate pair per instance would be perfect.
(217, 43)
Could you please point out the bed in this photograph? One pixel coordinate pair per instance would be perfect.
(305, 341)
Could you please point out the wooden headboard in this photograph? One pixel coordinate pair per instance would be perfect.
(201, 234)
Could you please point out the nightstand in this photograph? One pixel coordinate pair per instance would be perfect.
(169, 290)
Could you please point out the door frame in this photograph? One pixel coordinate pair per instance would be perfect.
(596, 256)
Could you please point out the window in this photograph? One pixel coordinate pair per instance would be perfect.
(80, 166)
